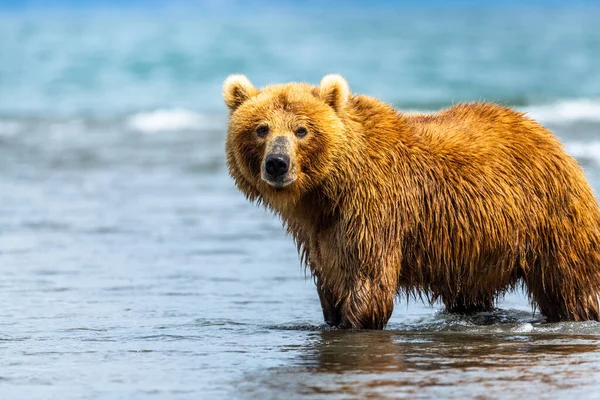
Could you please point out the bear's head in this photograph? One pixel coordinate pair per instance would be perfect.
(284, 140)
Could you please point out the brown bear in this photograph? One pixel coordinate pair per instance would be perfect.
(459, 206)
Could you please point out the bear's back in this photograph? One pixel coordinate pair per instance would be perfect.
(484, 131)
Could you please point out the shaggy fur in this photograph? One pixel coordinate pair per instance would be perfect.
(459, 206)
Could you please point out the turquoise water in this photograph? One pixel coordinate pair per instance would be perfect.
(134, 269)
(114, 63)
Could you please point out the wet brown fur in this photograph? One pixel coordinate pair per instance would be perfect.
(458, 206)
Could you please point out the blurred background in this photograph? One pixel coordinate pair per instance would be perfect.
(133, 268)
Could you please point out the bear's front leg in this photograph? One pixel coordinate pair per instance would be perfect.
(329, 304)
(369, 304)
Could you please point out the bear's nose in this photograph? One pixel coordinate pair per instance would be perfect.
(277, 165)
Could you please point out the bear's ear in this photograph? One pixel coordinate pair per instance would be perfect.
(334, 91)
(236, 90)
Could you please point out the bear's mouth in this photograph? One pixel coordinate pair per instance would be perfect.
(279, 183)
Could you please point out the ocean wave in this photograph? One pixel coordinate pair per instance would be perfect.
(9, 128)
(584, 150)
(563, 112)
(176, 119)
(566, 111)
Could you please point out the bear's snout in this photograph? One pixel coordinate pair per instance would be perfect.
(277, 165)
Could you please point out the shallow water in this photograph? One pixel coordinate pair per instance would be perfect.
(133, 268)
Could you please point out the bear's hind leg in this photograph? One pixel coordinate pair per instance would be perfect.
(564, 298)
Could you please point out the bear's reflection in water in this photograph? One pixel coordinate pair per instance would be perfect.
(391, 364)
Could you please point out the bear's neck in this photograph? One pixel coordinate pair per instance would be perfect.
(376, 134)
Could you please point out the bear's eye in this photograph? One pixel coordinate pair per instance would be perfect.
(301, 132)
(262, 130)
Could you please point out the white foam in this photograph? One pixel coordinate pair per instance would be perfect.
(169, 120)
(566, 111)
(523, 328)
(584, 150)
